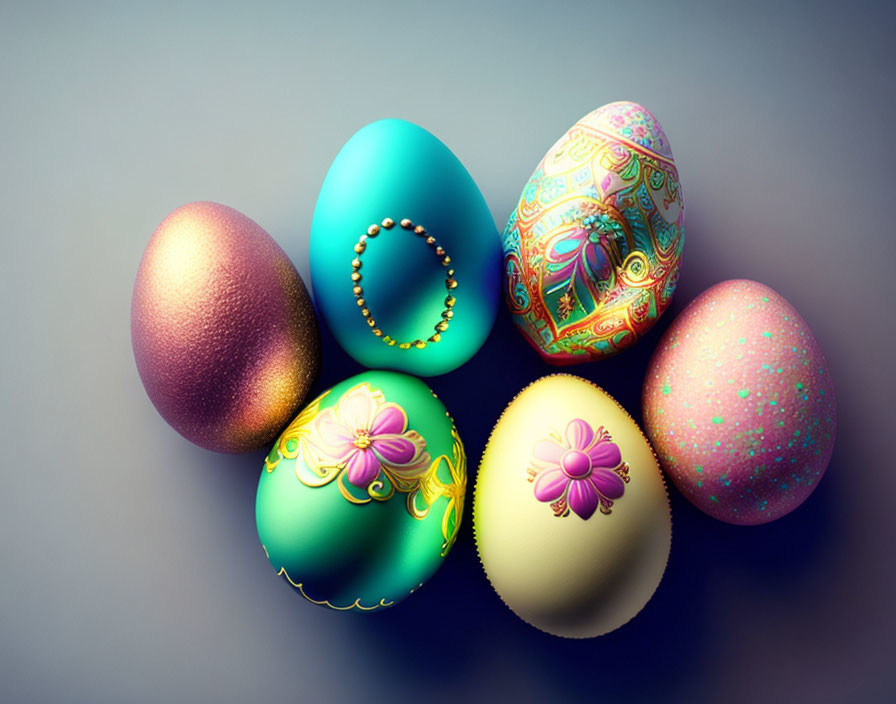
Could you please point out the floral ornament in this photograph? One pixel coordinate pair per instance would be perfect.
(364, 445)
(603, 223)
(367, 436)
(582, 256)
(579, 473)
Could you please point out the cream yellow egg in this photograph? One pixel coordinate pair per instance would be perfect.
(570, 512)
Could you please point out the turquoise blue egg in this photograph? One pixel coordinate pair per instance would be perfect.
(405, 256)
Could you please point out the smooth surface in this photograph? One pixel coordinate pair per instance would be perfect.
(395, 170)
(368, 535)
(131, 569)
(587, 572)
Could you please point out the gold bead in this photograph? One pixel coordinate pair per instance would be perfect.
(360, 247)
(435, 338)
(405, 345)
(450, 272)
(356, 263)
(357, 290)
(449, 301)
(388, 223)
(451, 283)
(406, 224)
(365, 312)
(439, 251)
(419, 344)
(373, 230)
(430, 241)
(356, 276)
(377, 332)
(446, 261)
(389, 341)
(371, 322)
(360, 302)
(442, 327)
(420, 230)
(447, 314)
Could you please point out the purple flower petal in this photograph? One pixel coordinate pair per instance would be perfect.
(550, 485)
(608, 483)
(579, 434)
(605, 454)
(582, 498)
(394, 449)
(549, 451)
(335, 438)
(363, 467)
(390, 420)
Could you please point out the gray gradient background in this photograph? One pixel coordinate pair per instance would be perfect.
(131, 570)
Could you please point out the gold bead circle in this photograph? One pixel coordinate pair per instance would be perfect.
(450, 283)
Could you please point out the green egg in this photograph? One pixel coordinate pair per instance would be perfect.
(361, 497)
(405, 256)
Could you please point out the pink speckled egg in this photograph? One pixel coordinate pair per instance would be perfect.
(739, 404)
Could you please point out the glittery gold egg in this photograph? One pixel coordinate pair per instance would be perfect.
(224, 333)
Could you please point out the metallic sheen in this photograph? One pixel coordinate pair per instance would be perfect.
(223, 330)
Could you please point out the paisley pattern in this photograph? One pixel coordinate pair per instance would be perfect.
(364, 444)
(593, 249)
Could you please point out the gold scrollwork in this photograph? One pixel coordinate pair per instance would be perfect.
(356, 604)
(421, 489)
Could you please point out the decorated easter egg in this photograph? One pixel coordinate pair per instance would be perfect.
(592, 250)
(361, 498)
(223, 331)
(405, 257)
(739, 404)
(571, 515)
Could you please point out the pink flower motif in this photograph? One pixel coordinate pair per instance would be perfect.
(365, 434)
(580, 474)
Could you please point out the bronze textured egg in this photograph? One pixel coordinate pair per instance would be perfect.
(224, 333)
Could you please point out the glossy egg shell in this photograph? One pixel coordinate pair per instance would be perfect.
(739, 404)
(357, 536)
(223, 331)
(568, 564)
(398, 298)
(593, 249)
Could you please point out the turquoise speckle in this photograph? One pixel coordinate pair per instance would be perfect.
(743, 393)
(718, 420)
(766, 334)
(667, 390)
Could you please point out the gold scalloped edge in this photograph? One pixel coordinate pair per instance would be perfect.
(355, 605)
(476, 493)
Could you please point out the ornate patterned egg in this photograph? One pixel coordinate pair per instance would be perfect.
(361, 498)
(739, 404)
(405, 257)
(224, 333)
(592, 250)
(571, 515)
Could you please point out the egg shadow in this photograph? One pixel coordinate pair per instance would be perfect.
(456, 621)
